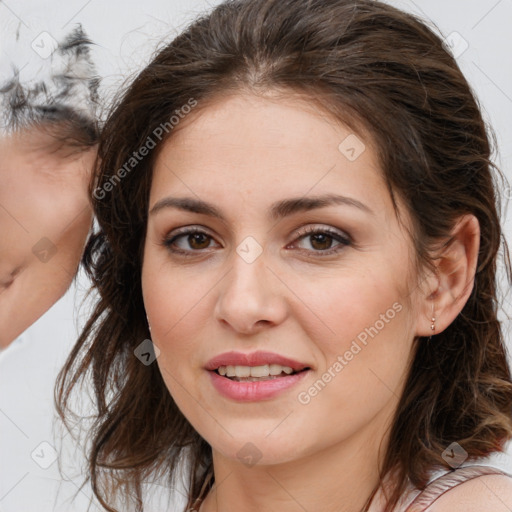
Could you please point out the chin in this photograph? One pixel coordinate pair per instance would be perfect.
(257, 448)
(254, 453)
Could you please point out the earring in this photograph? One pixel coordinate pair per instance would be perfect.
(433, 326)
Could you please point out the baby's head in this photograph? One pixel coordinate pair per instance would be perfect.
(48, 137)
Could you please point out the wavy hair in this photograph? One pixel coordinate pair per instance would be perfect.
(372, 67)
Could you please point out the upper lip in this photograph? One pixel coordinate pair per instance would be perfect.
(253, 359)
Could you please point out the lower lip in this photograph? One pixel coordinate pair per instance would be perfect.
(254, 391)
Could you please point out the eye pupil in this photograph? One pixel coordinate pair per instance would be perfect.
(323, 238)
(196, 237)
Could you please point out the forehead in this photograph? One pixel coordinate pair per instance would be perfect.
(18, 150)
(244, 121)
(261, 147)
(34, 150)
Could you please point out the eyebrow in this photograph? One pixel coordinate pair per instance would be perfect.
(278, 210)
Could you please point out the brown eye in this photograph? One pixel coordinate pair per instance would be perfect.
(197, 241)
(322, 240)
(188, 241)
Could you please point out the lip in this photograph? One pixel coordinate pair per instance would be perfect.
(244, 391)
(254, 391)
(259, 358)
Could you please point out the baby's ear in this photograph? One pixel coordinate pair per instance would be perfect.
(455, 267)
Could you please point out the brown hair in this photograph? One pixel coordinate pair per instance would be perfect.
(372, 66)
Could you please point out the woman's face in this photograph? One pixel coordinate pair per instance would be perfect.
(282, 270)
(45, 216)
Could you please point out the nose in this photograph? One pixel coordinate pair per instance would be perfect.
(252, 297)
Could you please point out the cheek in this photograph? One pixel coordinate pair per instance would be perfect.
(364, 338)
(343, 306)
(364, 364)
(176, 304)
(178, 312)
(45, 208)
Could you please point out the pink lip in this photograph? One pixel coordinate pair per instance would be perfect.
(254, 359)
(253, 391)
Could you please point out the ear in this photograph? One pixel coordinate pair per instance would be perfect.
(449, 290)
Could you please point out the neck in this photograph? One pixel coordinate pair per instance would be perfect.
(339, 478)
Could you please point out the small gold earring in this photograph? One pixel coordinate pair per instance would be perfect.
(433, 326)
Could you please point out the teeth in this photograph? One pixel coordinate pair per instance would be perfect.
(254, 371)
(276, 369)
(258, 371)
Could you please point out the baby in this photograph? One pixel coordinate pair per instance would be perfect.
(48, 137)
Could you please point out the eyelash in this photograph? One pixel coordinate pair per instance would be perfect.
(344, 240)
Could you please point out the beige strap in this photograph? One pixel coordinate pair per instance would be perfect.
(444, 483)
(199, 501)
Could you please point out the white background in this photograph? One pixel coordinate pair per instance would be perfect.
(126, 33)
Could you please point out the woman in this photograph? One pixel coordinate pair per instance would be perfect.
(296, 204)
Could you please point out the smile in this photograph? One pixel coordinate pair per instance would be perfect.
(255, 376)
(254, 389)
(254, 373)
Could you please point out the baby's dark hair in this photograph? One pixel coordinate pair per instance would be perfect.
(59, 99)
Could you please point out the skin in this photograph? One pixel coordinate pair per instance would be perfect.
(45, 216)
(242, 153)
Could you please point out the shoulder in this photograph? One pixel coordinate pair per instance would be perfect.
(486, 493)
